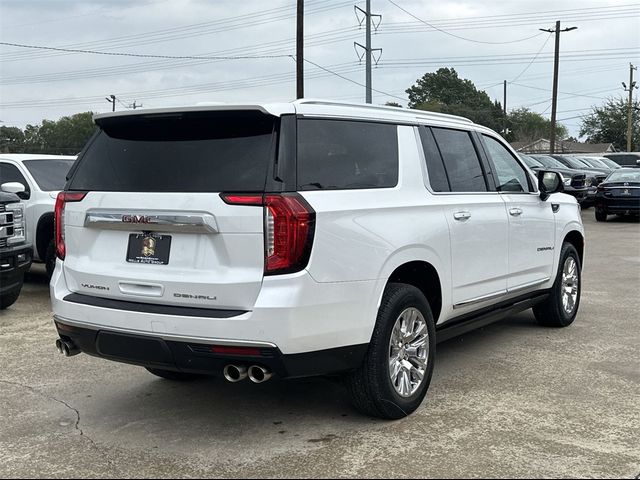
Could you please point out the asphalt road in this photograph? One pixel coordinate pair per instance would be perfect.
(510, 400)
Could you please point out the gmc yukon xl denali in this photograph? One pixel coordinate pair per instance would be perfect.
(305, 238)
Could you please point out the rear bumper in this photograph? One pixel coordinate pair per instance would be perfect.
(618, 204)
(13, 263)
(293, 314)
(197, 356)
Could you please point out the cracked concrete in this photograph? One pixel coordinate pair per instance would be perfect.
(510, 400)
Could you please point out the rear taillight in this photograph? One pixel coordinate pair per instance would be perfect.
(289, 225)
(61, 200)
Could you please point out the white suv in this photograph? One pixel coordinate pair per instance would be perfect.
(42, 176)
(305, 238)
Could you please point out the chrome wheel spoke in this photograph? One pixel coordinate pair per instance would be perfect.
(408, 352)
(570, 285)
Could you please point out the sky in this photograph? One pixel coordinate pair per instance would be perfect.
(486, 42)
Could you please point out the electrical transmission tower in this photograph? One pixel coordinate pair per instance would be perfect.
(368, 54)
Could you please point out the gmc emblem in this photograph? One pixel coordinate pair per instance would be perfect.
(137, 219)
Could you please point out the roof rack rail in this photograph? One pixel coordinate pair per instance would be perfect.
(407, 111)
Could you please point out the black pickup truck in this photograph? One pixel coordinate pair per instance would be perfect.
(15, 254)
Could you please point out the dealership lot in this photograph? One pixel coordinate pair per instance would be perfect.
(510, 399)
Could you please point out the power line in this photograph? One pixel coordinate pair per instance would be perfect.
(532, 60)
(350, 80)
(177, 33)
(141, 55)
(458, 36)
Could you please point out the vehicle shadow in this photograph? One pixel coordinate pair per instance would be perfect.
(37, 274)
(306, 411)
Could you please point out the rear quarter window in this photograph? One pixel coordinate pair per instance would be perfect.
(342, 155)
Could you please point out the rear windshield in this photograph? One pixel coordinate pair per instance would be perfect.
(624, 176)
(185, 152)
(51, 175)
(625, 159)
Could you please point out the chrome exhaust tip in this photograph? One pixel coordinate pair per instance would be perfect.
(234, 373)
(258, 374)
(67, 349)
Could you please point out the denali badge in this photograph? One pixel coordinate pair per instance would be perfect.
(137, 219)
(195, 297)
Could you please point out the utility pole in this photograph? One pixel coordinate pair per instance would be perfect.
(556, 66)
(368, 51)
(632, 86)
(300, 50)
(504, 106)
(134, 105)
(112, 100)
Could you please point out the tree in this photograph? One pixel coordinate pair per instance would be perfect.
(444, 91)
(527, 126)
(608, 124)
(393, 104)
(64, 136)
(10, 139)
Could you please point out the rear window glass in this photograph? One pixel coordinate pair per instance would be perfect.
(461, 160)
(50, 175)
(185, 152)
(340, 154)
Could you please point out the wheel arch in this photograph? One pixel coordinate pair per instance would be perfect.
(576, 238)
(44, 234)
(425, 278)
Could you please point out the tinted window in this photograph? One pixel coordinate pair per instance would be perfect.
(461, 160)
(50, 175)
(511, 177)
(530, 161)
(437, 174)
(10, 173)
(336, 154)
(185, 152)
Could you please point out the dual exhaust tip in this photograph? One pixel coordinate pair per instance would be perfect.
(256, 373)
(66, 348)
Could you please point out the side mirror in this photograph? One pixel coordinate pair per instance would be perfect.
(13, 187)
(548, 183)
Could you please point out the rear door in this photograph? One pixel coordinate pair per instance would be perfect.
(153, 227)
(478, 225)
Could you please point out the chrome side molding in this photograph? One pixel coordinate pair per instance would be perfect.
(151, 221)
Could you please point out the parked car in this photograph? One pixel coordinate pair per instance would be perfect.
(15, 254)
(575, 183)
(591, 182)
(628, 159)
(42, 176)
(597, 163)
(610, 163)
(305, 238)
(619, 194)
(578, 163)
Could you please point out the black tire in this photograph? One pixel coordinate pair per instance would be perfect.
(370, 387)
(601, 215)
(174, 376)
(551, 313)
(9, 298)
(50, 258)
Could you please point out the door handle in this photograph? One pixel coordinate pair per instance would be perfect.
(462, 215)
(516, 212)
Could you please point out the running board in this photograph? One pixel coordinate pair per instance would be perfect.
(486, 316)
